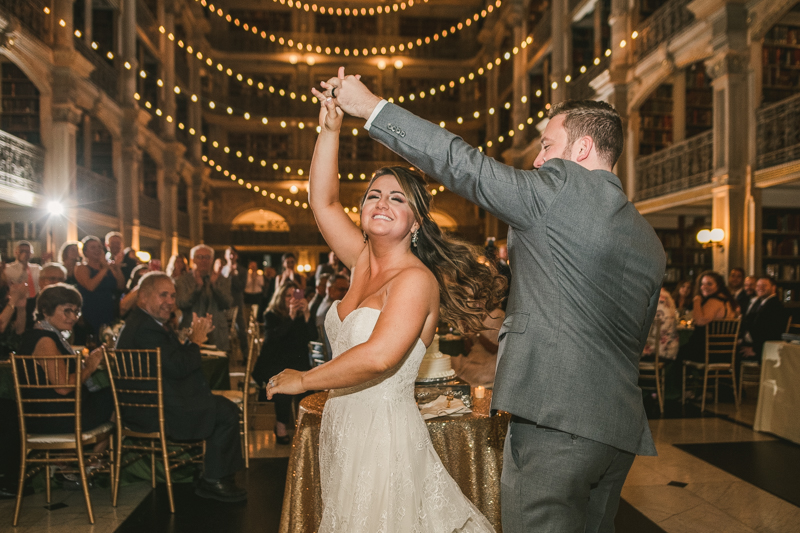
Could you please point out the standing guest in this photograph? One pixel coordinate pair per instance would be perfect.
(684, 297)
(191, 411)
(320, 291)
(129, 262)
(51, 274)
(765, 320)
(176, 266)
(289, 262)
(747, 294)
(577, 413)
(269, 290)
(736, 284)
(70, 256)
(331, 267)
(712, 302)
(253, 289)
(238, 279)
(13, 298)
(127, 303)
(205, 291)
(116, 245)
(98, 282)
(336, 288)
(23, 271)
(288, 330)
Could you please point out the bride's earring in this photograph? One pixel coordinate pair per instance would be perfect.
(415, 238)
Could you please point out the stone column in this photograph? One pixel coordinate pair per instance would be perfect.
(679, 106)
(620, 22)
(519, 111)
(129, 179)
(168, 66)
(173, 153)
(728, 68)
(60, 179)
(559, 47)
(630, 154)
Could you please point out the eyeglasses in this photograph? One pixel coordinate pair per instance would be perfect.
(69, 311)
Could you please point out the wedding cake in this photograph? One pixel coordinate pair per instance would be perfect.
(435, 365)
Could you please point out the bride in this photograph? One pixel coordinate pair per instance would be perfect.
(378, 468)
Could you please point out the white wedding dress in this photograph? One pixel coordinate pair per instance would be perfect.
(379, 471)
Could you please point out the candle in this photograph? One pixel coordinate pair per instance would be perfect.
(479, 392)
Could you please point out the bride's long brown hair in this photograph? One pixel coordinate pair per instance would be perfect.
(468, 289)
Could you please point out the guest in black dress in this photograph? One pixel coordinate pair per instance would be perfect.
(712, 302)
(57, 310)
(289, 327)
(683, 297)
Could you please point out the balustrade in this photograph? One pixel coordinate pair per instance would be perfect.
(21, 164)
(580, 88)
(31, 15)
(104, 75)
(659, 27)
(681, 166)
(96, 193)
(778, 135)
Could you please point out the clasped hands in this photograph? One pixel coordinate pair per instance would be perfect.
(201, 327)
(343, 94)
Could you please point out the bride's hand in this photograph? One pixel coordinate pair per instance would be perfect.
(287, 382)
(330, 115)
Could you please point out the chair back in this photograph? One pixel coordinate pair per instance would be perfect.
(721, 336)
(37, 397)
(655, 333)
(792, 327)
(136, 383)
(252, 356)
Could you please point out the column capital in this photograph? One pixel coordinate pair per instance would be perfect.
(67, 112)
(727, 63)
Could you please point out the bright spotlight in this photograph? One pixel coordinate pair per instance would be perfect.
(54, 207)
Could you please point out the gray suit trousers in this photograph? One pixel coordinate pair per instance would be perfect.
(555, 482)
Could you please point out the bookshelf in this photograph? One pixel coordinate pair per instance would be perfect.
(19, 114)
(656, 121)
(780, 63)
(699, 100)
(686, 258)
(780, 235)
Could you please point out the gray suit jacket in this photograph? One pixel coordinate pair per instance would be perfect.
(587, 273)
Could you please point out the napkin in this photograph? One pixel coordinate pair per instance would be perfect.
(214, 353)
(438, 407)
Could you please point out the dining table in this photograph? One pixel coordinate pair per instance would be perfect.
(779, 394)
(470, 447)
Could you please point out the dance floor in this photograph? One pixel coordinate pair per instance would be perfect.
(713, 474)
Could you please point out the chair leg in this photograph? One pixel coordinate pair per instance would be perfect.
(245, 436)
(658, 391)
(736, 397)
(21, 484)
(153, 463)
(683, 387)
(716, 389)
(85, 484)
(49, 476)
(111, 471)
(117, 469)
(705, 390)
(167, 473)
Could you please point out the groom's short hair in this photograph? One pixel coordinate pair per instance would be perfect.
(598, 120)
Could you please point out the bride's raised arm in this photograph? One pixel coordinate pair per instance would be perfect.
(339, 232)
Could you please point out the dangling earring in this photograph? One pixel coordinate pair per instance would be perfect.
(415, 238)
(365, 236)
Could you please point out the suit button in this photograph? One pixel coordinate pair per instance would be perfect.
(402, 134)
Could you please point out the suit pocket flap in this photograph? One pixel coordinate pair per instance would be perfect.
(514, 323)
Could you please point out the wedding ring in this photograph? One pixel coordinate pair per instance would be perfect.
(271, 383)
(333, 92)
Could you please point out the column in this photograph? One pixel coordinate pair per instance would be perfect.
(679, 106)
(173, 153)
(60, 177)
(620, 23)
(168, 67)
(519, 110)
(630, 154)
(129, 179)
(728, 68)
(62, 35)
(559, 46)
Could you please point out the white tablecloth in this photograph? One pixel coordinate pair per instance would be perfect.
(778, 409)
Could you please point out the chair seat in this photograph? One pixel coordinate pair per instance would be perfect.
(711, 366)
(235, 396)
(64, 438)
(646, 365)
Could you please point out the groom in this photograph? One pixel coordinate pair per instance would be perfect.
(587, 273)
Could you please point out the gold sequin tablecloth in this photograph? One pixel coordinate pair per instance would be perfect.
(470, 446)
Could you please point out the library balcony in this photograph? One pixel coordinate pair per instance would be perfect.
(680, 167)
(665, 22)
(30, 14)
(96, 192)
(149, 212)
(778, 137)
(21, 166)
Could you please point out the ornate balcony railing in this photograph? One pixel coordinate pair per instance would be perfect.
(103, 75)
(96, 193)
(778, 135)
(238, 41)
(681, 166)
(30, 14)
(580, 88)
(184, 225)
(149, 212)
(147, 22)
(21, 164)
(307, 235)
(665, 22)
(543, 30)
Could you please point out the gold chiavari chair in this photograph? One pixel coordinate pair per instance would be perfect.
(654, 369)
(136, 383)
(793, 327)
(721, 336)
(242, 397)
(42, 450)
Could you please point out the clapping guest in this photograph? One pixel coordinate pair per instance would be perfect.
(13, 298)
(23, 271)
(176, 266)
(289, 262)
(132, 296)
(70, 256)
(99, 281)
(51, 274)
(289, 328)
(683, 296)
(203, 290)
(238, 279)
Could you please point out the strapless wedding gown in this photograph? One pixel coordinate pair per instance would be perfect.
(379, 471)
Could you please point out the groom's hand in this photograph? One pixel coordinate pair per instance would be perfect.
(351, 95)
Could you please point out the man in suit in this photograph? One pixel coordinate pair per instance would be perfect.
(587, 274)
(765, 320)
(191, 412)
(747, 294)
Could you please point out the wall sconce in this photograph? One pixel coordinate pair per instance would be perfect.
(711, 238)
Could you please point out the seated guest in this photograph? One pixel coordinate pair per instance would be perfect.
(669, 341)
(747, 294)
(713, 302)
(205, 291)
(736, 283)
(336, 288)
(191, 412)
(51, 274)
(289, 328)
(765, 320)
(57, 309)
(683, 296)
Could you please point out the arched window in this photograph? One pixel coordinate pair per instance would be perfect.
(260, 220)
